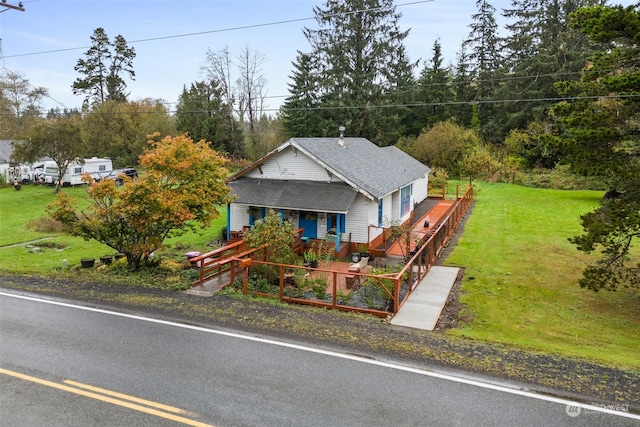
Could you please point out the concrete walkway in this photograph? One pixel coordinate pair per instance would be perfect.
(422, 309)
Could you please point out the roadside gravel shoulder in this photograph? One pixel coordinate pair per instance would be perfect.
(352, 333)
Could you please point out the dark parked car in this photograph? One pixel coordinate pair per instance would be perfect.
(116, 174)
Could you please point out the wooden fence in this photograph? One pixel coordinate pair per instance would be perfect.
(376, 294)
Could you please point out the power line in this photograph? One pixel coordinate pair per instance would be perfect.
(414, 105)
(221, 30)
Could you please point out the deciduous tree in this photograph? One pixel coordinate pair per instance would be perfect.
(59, 138)
(120, 130)
(20, 103)
(182, 184)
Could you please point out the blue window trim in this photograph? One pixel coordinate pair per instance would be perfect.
(405, 200)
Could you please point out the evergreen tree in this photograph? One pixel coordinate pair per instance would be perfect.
(542, 50)
(203, 115)
(300, 117)
(601, 136)
(435, 89)
(358, 71)
(103, 68)
(486, 63)
(462, 109)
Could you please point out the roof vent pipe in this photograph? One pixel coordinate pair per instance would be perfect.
(341, 140)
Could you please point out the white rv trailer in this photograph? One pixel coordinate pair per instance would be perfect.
(15, 173)
(98, 168)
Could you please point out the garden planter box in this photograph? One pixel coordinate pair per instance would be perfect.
(87, 262)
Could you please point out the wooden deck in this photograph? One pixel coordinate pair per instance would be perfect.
(419, 231)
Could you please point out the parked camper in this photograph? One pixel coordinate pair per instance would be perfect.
(15, 173)
(96, 167)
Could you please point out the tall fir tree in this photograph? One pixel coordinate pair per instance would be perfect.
(300, 117)
(359, 70)
(435, 89)
(601, 136)
(486, 63)
(103, 69)
(202, 113)
(462, 109)
(541, 50)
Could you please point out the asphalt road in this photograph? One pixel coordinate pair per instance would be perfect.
(64, 365)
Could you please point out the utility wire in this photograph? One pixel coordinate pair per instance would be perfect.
(221, 30)
(412, 105)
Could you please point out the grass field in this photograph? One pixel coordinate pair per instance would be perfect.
(18, 208)
(520, 284)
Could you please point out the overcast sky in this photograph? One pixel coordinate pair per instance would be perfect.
(171, 38)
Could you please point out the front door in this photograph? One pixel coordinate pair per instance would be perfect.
(309, 221)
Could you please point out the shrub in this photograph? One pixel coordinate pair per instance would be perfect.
(438, 176)
(45, 224)
(559, 178)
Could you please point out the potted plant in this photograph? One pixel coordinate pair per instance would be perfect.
(310, 258)
(363, 249)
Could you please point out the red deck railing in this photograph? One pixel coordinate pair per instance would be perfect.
(304, 285)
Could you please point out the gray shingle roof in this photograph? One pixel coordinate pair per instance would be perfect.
(6, 150)
(294, 194)
(377, 171)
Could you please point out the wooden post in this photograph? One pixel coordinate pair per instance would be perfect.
(245, 281)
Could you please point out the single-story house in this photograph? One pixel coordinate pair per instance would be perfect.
(347, 190)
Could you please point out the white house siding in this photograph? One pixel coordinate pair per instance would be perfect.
(238, 216)
(420, 190)
(387, 211)
(290, 164)
(395, 208)
(357, 220)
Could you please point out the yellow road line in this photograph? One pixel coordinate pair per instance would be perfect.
(126, 397)
(103, 398)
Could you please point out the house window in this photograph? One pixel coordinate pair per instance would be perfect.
(77, 170)
(380, 213)
(256, 214)
(405, 200)
(102, 168)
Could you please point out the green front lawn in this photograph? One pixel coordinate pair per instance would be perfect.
(19, 208)
(520, 284)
